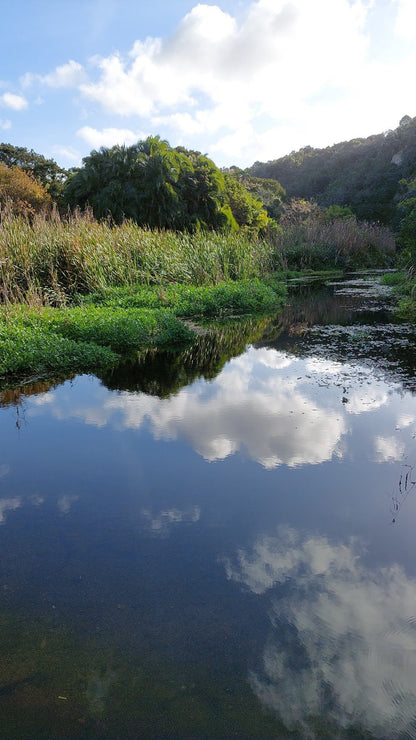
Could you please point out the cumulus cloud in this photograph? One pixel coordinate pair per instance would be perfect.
(15, 102)
(217, 73)
(213, 54)
(108, 137)
(342, 645)
(254, 85)
(71, 74)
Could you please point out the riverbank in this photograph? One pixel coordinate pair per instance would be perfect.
(404, 285)
(77, 294)
(94, 335)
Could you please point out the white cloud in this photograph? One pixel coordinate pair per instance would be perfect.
(278, 76)
(65, 502)
(108, 137)
(364, 400)
(406, 19)
(217, 73)
(5, 124)
(67, 153)
(71, 74)
(343, 642)
(4, 470)
(15, 102)
(405, 420)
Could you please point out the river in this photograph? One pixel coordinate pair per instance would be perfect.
(219, 543)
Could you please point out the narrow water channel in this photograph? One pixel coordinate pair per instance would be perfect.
(219, 543)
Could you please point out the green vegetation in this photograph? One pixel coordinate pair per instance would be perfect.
(246, 296)
(49, 260)
(159, 187)
(44, 171)
(157, 235)
(363, 173)
(20, 193)
(404, 283)
(87, 337)
(27, 347)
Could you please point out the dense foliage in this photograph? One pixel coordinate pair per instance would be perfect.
(268, 192)
(407, 213)
(160, 187)
(362, 173)
(93, 335)
(20, 193)
(46, 172)
(54, 258)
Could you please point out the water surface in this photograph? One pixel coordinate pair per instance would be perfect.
(219, 543)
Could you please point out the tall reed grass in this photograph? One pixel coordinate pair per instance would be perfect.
(48, 259)
(313, 243)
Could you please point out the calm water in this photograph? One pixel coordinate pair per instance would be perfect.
(220, 543)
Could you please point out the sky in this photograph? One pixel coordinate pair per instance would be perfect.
(239, 80)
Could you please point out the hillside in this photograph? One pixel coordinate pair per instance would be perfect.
(362, 173)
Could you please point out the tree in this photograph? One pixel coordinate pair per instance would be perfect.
(407, 211)
(154, 185)
(21, 192)
(45, 171)
(247, 210)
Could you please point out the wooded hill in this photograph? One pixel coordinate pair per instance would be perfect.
(362, 173)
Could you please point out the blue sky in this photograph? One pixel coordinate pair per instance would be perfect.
(241, 80)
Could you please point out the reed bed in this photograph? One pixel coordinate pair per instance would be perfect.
(48, 259)
(312, 243)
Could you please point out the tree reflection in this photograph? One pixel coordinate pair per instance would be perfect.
(164, 373)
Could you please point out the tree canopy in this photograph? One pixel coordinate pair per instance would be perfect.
(21, 192)
(45, 171)
(361, 173)
(161, 187)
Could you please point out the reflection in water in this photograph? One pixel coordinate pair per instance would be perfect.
(406, 486)
(128, 605)
(165, 373)
(162, 522)
(261, 404)
(8, 504)
(343, 640)
(14, 396)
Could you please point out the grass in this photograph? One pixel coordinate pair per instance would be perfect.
(394, 279)
(245, 296)
(94, 292)
(34, 349)
(404, 284)
(50, 260)
(94, 335)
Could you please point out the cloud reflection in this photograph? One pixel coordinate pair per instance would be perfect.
(8, 504)
(161, 523)
(343, 640)
(257, 405)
